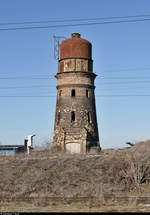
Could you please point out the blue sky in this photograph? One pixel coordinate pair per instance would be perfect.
(120, 53)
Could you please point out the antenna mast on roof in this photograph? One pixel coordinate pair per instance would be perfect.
(57, 46)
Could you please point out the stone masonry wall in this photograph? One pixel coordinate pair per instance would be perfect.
(75, 118)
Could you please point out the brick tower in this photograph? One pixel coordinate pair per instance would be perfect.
(76, 128)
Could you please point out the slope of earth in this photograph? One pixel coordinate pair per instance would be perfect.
(105, 175)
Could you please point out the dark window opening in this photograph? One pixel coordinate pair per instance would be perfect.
(58, 119)
(89, 117)
(73, 93)
(72, 116)
(87, 93)
(60, 92)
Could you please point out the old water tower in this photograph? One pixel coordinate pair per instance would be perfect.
(76, 128)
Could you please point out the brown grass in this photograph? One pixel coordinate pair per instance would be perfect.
(106, 175)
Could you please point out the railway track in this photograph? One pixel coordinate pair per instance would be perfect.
(45, 199)
(73, 199)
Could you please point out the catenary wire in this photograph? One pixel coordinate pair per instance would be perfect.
(73, 25)
(50, 86)
(74, 20)
(48, 78)
(47, 96)
(126, 69)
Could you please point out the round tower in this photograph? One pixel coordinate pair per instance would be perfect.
(76, 128)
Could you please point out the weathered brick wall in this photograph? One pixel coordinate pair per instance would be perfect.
(83, 65)
(82, 106)
(75, 78)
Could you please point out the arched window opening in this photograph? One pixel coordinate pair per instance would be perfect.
(73, 93)
(89, 117)
(72, 116)
(58, 118)
(60, 92)
(87, 93)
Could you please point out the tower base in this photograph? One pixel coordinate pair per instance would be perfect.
(76, 141)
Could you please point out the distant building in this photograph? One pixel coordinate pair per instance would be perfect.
(15, 149)
(11, 149)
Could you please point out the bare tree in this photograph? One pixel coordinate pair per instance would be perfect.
(138, 170)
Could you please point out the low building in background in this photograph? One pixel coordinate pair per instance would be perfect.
(15, 149)
(11, 149)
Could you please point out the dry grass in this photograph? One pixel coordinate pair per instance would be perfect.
(73, 207)
(105, 175)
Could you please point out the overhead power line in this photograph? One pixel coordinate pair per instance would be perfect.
(126, 69)
(73, 20)
(125, 95)
(23, 78)
(74, 25)
(50, 77)
(129, 78)
(53, 86)
(26, 87)
(127, 82)
(48, 96)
